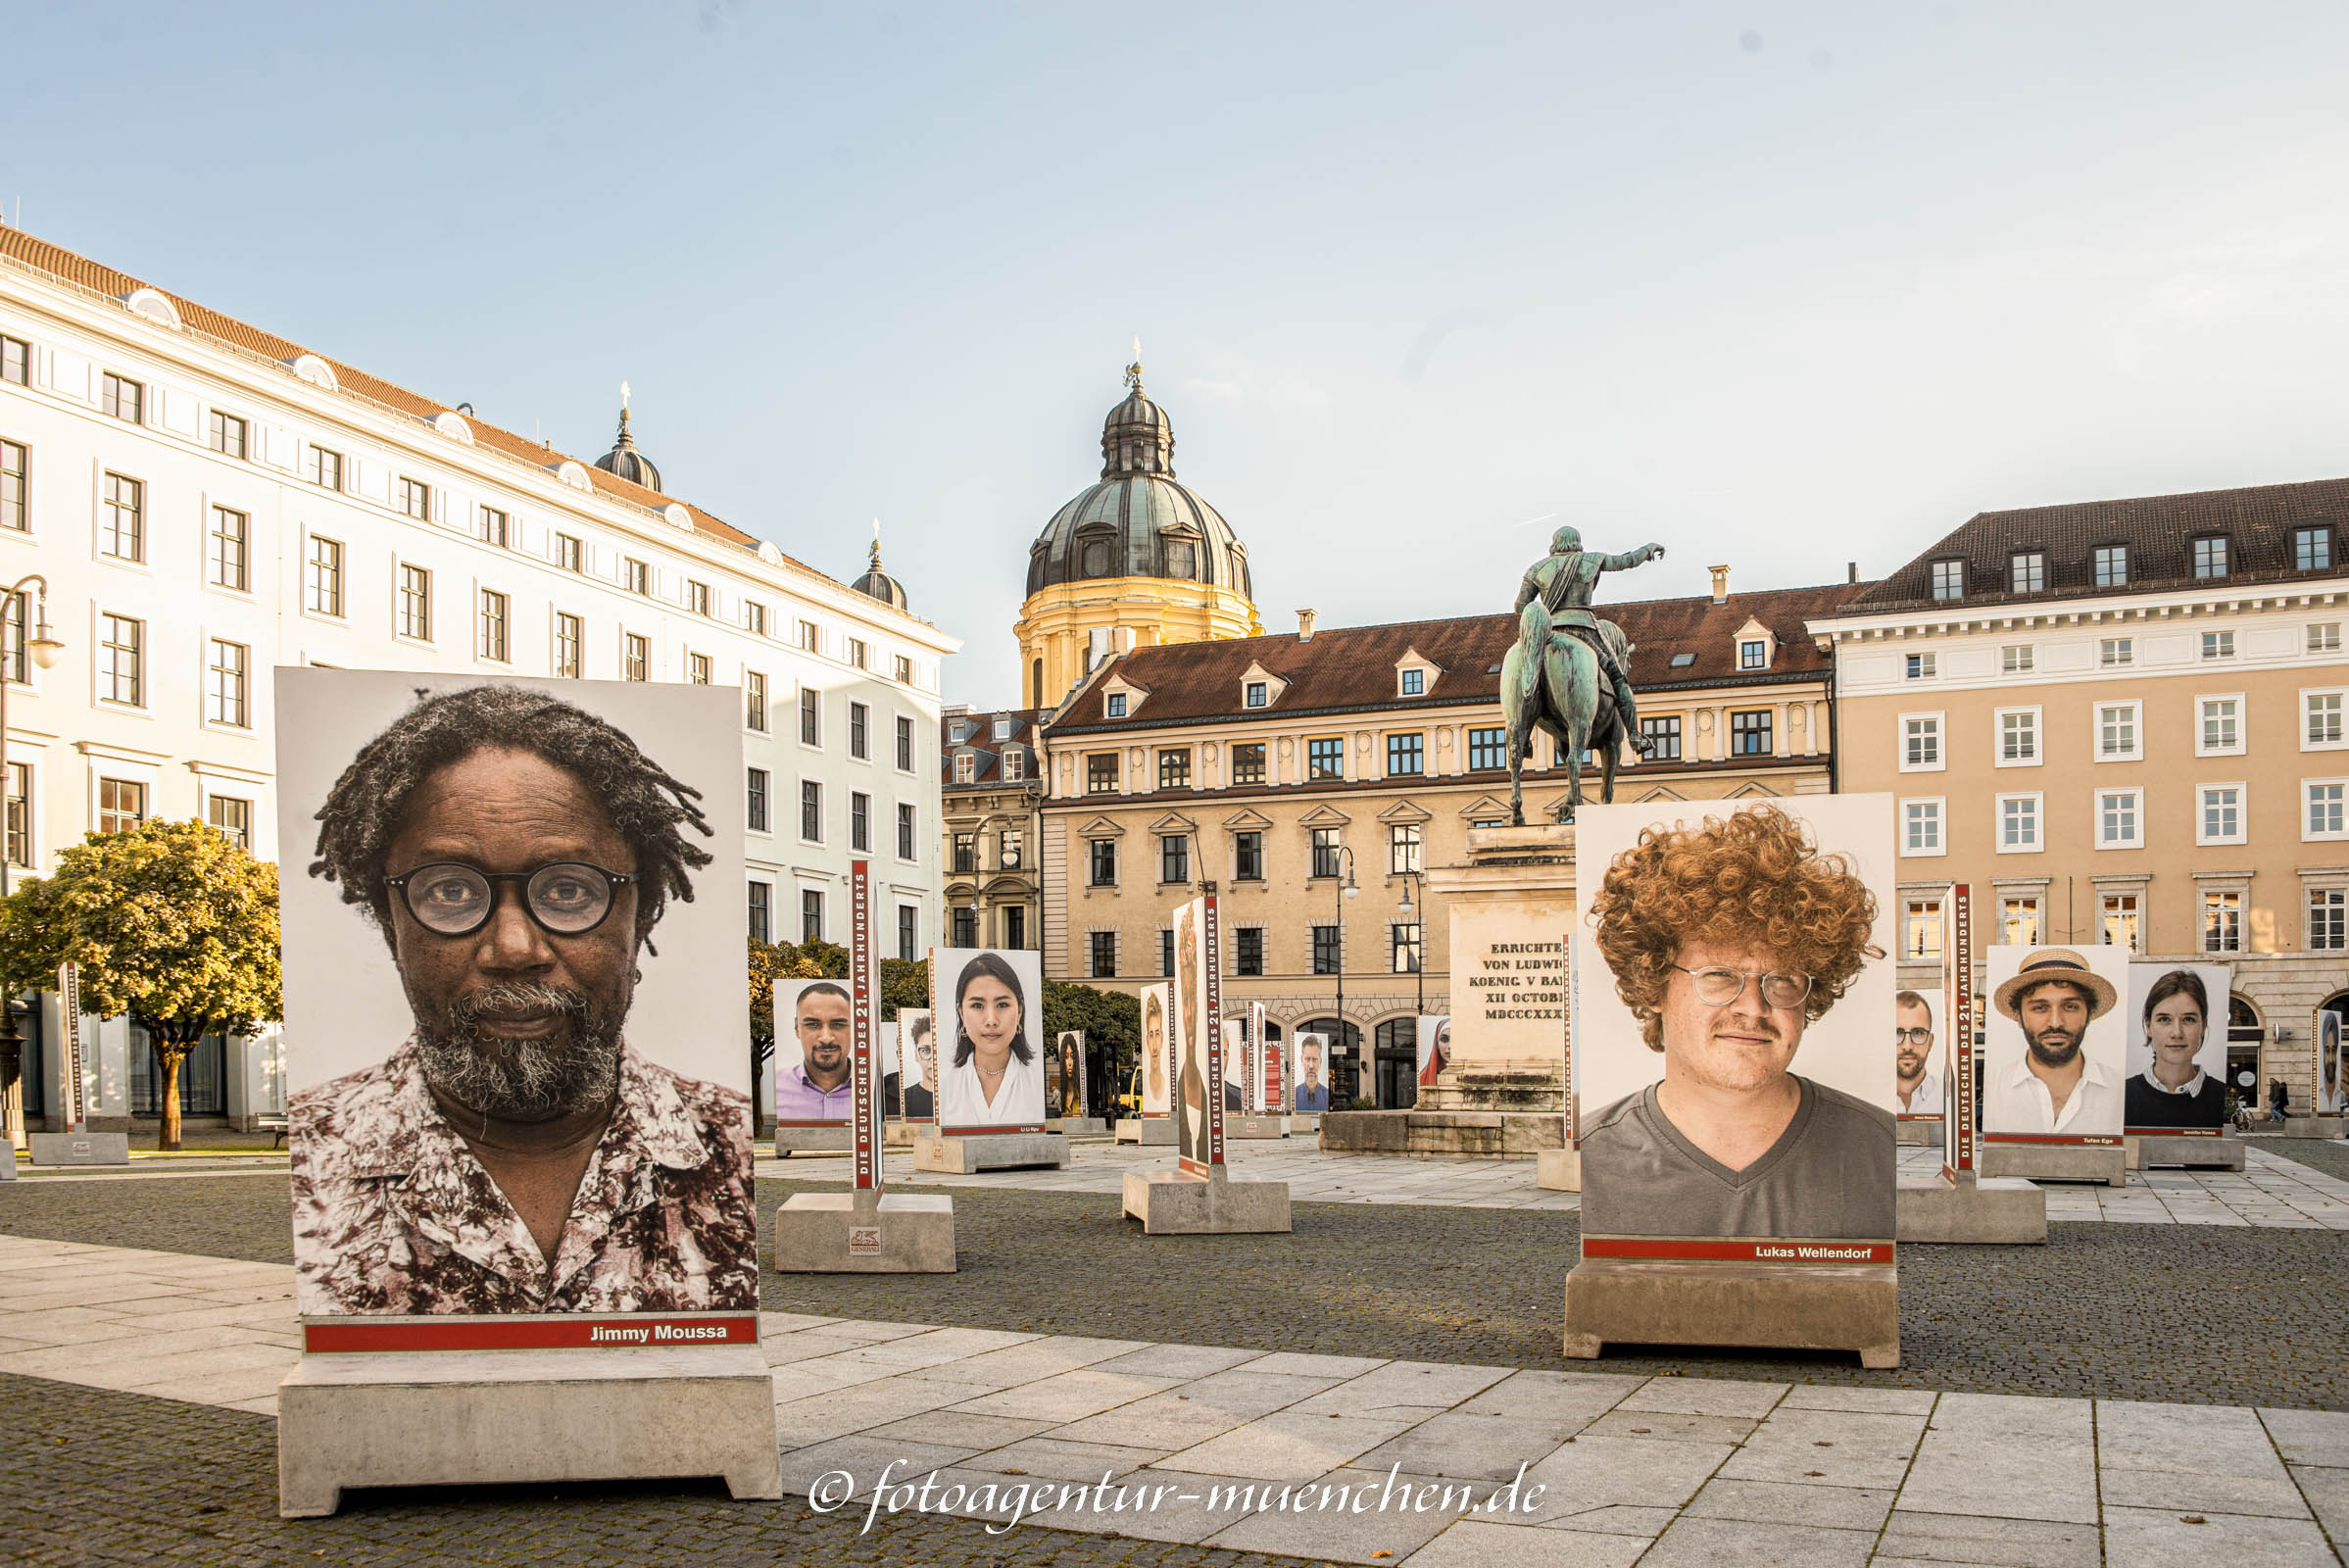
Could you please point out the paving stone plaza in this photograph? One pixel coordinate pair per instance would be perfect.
(2163, 1381)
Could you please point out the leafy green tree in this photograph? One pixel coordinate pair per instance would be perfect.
(770, 961)
(1111, 1021)
(171, 923)
(905, 983)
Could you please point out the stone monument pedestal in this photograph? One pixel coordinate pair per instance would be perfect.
(897, 1134)
(790, 1141)
(963, 1155)
(92, 1148)
(2057, 1162)
(1148, 1132)
(1918, 1132)
(1078, 1126)
(1431, 1134)
(1236, 1125)
(861, 1232)
(1169, 1202)
(482, 1417)
(1307, 1123)
(2310, 1126)
(1999, 1210)
(2159, 1150)
(1558, 1170)
(1789, 1306)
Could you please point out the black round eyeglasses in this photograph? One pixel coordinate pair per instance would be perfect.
(566, 899)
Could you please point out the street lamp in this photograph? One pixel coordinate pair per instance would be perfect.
(43, 649)
(1346, 890)
(1419, 962)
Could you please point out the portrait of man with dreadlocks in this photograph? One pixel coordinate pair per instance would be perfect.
(514, 1152)
(1727, 942)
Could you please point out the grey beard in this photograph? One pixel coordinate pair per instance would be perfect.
(527, 1080)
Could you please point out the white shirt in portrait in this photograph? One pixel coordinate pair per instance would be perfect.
(2022, 1102)
(1018, 1098)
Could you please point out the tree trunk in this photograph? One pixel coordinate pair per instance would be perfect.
(170, 1056)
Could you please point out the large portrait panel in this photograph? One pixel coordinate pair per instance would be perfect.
(2332, 1066)
(991, 1039)
(2175, 1027)
(1197, 1078)
(2055, 1046)
(1734, 983)
(917, 1073)
(1158, 1050)
(514, 930)
(1064, 1077)
(1309, 1071)
(1920, 1070)
(813, 1036)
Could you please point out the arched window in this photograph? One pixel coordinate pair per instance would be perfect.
(2244, 1073)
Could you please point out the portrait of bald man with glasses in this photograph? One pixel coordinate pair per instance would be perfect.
(1726, 942)
(513, 1152)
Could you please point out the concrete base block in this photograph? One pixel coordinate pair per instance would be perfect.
(2157, 1150)
(1458, 1134)
(92, 1147)
(1079, 1126)
(897, 1134)
(791, 1141)
(2058, 1162)
(1171, 1203)
(486, 1418)
(2310, 1126)
(831, 1233)
(960, 1156)
(1306, 1125)
(2002, 1210)
(1150, 1132)
(1918, 1132)
(1789, 1306)
(1558, 1170)
(1238, 1126)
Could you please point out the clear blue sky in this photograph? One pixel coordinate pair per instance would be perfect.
(1776, 285)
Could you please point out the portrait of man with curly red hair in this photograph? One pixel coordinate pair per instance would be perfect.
(1725, 940)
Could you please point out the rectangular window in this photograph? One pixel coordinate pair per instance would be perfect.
(322, 468)
(860, 822)
(811, 914)
(1406, 755)
(122, 805)
(1115, 705)
(1490, 748)
(966, 927)
(1101, 773)
(1254, 695)
(1101, 950)
(635, 575)
(1325, 759)
(761, 913)
(490, 525)
(2018, 737)
(324, 580)
(1415, 682)
(1326, 857)
(2323, 714)
(756, 800)
(1949, 579)
(491, 643)
(696, 669)
(812, 811)
(903, 672)
(2019, 922)
(2325, 637)
(1402, 848)
(1248, 950)
(121, 660)
(123, 529)
(812, 713)
(2117, 814)
(2116, 731)
(2018, 822)
(1749, 733)
(2222, 922)
(15, 360)
(2120, 928)
(415, 498)
(1247, 762)
(1663, 736)
(1102, 863)
(228, 552)
(966, 767)
(2324, 816)
(1403, 944)
(570, 638)
(1174, 769)
(1921, 930)
(2115, 650)
(907, 850)
(2027, 571)
(2210, 557)
(567, 554)
(636, 657)
(1923, 666)
(224, 433)
(2220, 810)
(121, 397)
(2017, 658)
(810, 638)
(904, 746)
(1921, 827)
(1174, 858)
(232, 817)
(1248, 855)
(1325, 950)
(1007, 849)
(15, 489)
(965, 852)
(754, 701)
(2111, 565)
(2328, 919)
(859, 731)
(856, 653)
(2312, 548)
(1015, 764)
(2218, 645)
(415, 603)
(908, 932)
(225, 678)
(19, 814)
(2221, 726)
(697, 596)
(1754, 654)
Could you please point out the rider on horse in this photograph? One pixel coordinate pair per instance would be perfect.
(1563, 580)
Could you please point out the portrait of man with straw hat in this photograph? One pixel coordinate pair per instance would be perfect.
(2057, 1085)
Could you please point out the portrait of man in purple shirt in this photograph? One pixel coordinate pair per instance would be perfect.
(817, 1088)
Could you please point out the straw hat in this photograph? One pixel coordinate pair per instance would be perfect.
(2054, 963)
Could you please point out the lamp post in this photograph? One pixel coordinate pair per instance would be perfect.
(43, 649)
(1419, 963)
(1345, 891)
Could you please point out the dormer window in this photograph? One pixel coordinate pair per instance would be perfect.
(1003, 729)
(2312, 548)
(1093, 558)
(1182, 559)
(2027, 571)
(966, 767)
(1415, 682)
(1015, 764)
(1254, 695)
(1753, 654)
(1117, 704)
(2210, 557)
(2111, 565)
(1949, 579)
(957, 732)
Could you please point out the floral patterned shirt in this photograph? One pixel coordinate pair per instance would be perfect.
(394, 1214)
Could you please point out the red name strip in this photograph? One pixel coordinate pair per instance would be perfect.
(1668, 1250)
(2177, 1132)
(528, 1333)
(2044, 1137)
(983, 1132)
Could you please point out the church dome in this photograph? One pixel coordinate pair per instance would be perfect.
(1138, 521)
(878, 583)
(624, 462)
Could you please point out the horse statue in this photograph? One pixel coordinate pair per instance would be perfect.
(1567, 674)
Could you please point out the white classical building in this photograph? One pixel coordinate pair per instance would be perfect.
(206, 501)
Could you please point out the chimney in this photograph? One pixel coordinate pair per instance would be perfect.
(1720, 584)
(1305, 625)
(1851, 572)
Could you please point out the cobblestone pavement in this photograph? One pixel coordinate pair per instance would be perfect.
(2202, 1314)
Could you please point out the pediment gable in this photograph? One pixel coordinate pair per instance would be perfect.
(1100, 827)
(1484, 806)
(1247, 822)
(1403, 811)
(1324, 816)
(1174, 823)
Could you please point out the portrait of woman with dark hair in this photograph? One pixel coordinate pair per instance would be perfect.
(2174, 1090)
(993, 1077)
(1153, 1050)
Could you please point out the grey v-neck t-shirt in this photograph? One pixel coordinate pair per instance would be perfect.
(1830, 1176)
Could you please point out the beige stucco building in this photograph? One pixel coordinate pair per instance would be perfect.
(2122, 721)
(992, 783)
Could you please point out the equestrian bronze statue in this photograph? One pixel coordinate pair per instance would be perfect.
(1568, 674)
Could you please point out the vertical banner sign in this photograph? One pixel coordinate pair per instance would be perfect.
(1957, 941)
(864, 1067)
(69, 991)
(1273, 1087)
(1574, 1100)
(1211, 980)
